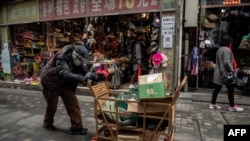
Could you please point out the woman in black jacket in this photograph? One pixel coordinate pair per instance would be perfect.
(60, 77)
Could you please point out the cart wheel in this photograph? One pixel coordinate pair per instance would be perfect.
(106, 132)
(166, 138)
(94, 138)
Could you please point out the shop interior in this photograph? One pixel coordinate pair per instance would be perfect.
(105, 37)
(217, 21)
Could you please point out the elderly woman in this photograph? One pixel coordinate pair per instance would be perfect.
(224, 63)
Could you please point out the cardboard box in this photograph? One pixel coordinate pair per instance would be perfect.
(151, 86)
(127, 137)
(152, 106)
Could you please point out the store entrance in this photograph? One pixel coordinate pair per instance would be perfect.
(231, 20)
(106, 37)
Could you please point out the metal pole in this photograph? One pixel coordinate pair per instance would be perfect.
(186, 51)
(179, 50)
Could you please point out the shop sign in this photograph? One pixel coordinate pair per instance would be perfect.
(25, 11)
(61, 9)
(168, 4)
(168, 23)
(109, 7)
(231, 2)
(3, 35)
(6, 59)
(3, 18)
(46, 9)
(70, 8)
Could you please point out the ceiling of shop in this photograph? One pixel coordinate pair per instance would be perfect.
(5, 1)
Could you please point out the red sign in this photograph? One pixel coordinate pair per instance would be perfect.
(45, 9)
(100, 7)
(70, 8)
(62, 9)
(231, 2)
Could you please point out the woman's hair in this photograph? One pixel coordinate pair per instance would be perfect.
(226, 40)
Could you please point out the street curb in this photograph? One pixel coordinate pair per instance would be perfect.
(81, 90)
(84, 91)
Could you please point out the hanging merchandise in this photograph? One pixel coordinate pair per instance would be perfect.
(157, 59)
(212, 17)
(164, 61)
(156, 23)
(245, 43)
(116, 77)
(192, 65)
(207, 24)
(209, 21)
(206, 39)
(155, 35)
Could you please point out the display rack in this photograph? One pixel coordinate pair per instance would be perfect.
(28, 40)
(113, 130)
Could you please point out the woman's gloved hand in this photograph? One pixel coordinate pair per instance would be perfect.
(89, 76)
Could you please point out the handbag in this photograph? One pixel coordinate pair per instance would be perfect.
(229, 78)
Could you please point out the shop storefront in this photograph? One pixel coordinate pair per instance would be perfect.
(35, 30)
(217, 18)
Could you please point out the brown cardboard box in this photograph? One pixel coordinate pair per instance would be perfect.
(151, 87)
(127, 137)
(152, 106)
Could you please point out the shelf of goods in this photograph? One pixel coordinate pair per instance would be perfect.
(142, 121)
(28, 43)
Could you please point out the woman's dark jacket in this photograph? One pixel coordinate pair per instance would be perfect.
(60, 71)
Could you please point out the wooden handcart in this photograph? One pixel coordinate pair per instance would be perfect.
(114, 131)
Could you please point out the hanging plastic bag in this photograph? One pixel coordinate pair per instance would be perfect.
(139, 70)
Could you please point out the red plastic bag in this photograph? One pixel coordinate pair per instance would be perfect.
(139, 70)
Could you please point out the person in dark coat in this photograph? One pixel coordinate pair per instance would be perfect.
(224, 63)
(60, 78)
(139, 57)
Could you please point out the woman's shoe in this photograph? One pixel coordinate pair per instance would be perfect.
(235, 108)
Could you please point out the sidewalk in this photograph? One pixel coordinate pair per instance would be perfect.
(194, 120)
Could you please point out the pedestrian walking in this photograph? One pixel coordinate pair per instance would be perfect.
(60, 78)
(224, 63)
(139, 58)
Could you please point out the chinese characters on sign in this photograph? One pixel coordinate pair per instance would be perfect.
(6, 59)
(66, 8)
(231, 2)
(97, 7)
(22, 12)
(46, 9)
(77, 8)
(168, 23)
(62, 9)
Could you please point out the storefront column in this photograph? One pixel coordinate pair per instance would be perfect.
(179, 15)
(5, 72)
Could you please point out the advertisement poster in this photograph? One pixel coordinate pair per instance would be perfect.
(168, 23)
(6, 59)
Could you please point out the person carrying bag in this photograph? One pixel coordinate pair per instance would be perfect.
(224, 69)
